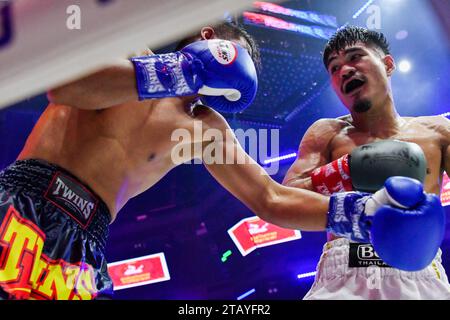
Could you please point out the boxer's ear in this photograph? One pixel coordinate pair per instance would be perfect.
(207, 33)
(389, 64)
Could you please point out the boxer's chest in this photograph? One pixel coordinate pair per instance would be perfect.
(429, 140)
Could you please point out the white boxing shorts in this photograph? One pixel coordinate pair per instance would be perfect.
(353, 271)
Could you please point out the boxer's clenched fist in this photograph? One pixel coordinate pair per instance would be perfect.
(368, 166)
(219, 70)
(405, 225)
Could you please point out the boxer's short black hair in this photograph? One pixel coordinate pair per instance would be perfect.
(349, 35)
(227, 31)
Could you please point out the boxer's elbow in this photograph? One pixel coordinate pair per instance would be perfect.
(290, 183)
(300, 183)
(53, 96)
(62, 95)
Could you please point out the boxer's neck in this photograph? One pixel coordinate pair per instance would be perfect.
(381, 121)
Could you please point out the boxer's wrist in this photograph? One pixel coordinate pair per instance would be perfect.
(347, 217)
(164, 75)
(332, 177)
(399, 192)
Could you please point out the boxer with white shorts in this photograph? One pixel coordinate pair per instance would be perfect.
(347, 272)
(358, 152)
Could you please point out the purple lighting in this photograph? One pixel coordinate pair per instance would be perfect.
(287, 156)
(306, 275)
(244, 295)
(401, 35)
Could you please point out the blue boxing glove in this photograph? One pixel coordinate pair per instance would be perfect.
(408, 239)
(220, 70)
(404, 225)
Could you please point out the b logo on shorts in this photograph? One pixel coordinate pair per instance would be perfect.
(366, 252)
(363, 255)
(73, 198)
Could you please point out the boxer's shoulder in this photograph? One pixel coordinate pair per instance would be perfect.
(438, 124)
(428, 120)
(331, 124)
(322, 133)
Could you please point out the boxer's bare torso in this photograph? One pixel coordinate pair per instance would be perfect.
(427, 132)
(120, 151)
(339, 137)
(96, 128)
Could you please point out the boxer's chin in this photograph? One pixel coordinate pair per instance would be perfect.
(362, 106)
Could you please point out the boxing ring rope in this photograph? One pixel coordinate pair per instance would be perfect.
(38, 50)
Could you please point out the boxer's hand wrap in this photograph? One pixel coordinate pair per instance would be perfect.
(406, 232)
(347, 217)
(332, 177)
(222, 71)
(163, 75)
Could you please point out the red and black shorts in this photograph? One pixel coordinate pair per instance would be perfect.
(53, 231)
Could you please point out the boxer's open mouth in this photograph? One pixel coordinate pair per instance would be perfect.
(353, 85)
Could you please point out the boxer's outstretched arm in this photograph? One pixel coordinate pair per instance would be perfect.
(114, 84)
(225, 85)
(272, 202)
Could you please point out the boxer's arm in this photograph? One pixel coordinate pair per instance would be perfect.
(396, 232)
(248, 181)
(446, 160)
(114, 84)
(314, 151)
(444, 129)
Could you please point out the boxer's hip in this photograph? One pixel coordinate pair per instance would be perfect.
(353, 271)
(55, 228)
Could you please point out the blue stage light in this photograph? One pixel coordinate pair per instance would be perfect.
(306, 275)
(244, 295)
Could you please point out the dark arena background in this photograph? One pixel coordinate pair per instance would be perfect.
(185, 218)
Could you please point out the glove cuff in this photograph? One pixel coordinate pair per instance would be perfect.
(346, 216)
(164, 75)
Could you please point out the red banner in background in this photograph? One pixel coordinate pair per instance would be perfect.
(139, 271)
(252, 233)
(445, 191)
